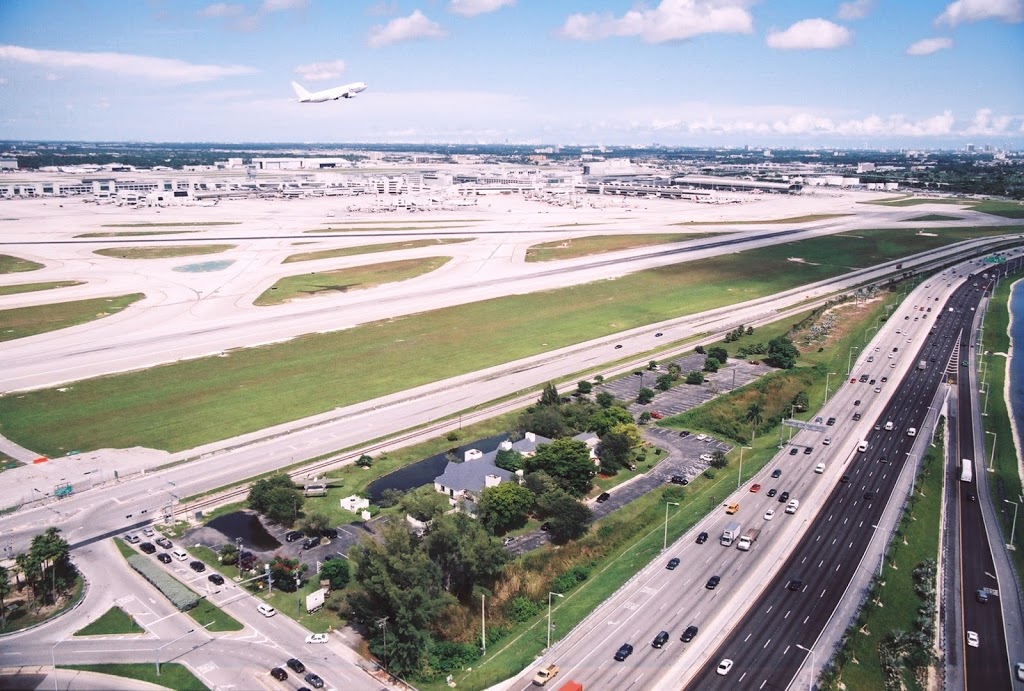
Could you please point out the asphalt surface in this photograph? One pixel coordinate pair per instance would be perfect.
(764, 647)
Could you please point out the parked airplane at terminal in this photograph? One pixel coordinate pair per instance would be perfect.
(346, 91)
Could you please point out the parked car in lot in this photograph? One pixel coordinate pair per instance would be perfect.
(164, 557)
(147, 547)
(317, 638)
(311, 542)
(131, 538)
(279, 674)
(293, 535)
(679, 480)
(216, 579)
(296, 665)
(197, 566)
(603, 497)
(164, 542)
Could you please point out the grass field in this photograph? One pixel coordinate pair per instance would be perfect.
(917, 201)
(345, 280)
(162, 251)
(33, 287)
(377, 229)
(12, 265)
(130, 233)
(599, 244)
(29, 321)
(931, 217)
(370, 249)
(172, 675)
(808, 218)
(170, 225)
(1001, 208)
(114, 621)
(182, 405)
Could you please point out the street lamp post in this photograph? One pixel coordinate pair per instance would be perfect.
(167, 644)
(849, 363)
(992, 455)
(870, 329)
(826, 385)
(739, 478)
(1013, 529)
(664, 544)
(984, 412)
(640, 373)
(383, 623)
(810, 682)
(549, 615)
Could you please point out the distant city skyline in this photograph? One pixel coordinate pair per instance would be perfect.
(853, 74)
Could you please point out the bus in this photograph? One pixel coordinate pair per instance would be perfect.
(966, 470)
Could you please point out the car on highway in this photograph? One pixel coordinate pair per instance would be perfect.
(769, 514)
(857, 402)
(265, 609)
(660, 640)
(618, 346)
(713, 582)
(872, 382)
(296, 665)
(197, 566)
(164, 557)
(216, 579)
(795, 584)
(794, 451)
(314, 680)
(863, 378)
(148, 547)
(658, 335)
(844, 479)
(164, 542)
(772, 492)
(317, 638)
(972, 639)
(827, 441)
(689, 634)
(624, 651)
(878, 389)
(831, 421)
(603, 497)
(981, 595)
(869, 496)
(672, 563)
(702, 538)
(1020, 671)
(777, 472)
(784, 497)
(807, 451)
(279, 673)
(755, 488)
(724, 666)
(545, 674)
(856, 416)
(884, 379)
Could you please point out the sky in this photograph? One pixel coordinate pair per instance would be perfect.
(801, 73)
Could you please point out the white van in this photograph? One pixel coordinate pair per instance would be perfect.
(863, 445)
(792, 506)
(820, 468)
(888, 425)
(180, 554)
(266, 610)
(912, 432)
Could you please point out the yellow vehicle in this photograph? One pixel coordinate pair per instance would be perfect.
(545, 674)
(732, 508)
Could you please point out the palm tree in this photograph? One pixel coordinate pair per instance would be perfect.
(755, 416)
(5, 590)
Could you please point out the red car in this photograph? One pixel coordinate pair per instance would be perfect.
(656, 415)
(755, 488)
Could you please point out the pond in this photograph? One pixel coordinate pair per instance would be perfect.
(246, 526)
(204, 267)
(423, 472)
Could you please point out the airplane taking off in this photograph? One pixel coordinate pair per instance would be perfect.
(347, 91)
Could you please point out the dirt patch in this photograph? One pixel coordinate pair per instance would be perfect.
(833, 324)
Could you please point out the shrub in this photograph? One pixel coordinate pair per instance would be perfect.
(174, 590)
(523, 608)
(446, 656)
(570, 579)
(694, 377)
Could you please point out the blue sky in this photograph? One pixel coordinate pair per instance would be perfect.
(871, 73)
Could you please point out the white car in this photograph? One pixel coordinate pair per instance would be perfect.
(724, 666)
(972, 639)
(702, 437)
(769, 514)
(706, 457)
(317, 638)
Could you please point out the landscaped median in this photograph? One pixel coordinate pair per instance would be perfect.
(172, 675)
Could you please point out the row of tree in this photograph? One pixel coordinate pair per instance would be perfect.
(45, 570)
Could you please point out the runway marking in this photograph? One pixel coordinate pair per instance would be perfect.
(630, 605)
(840, 564)
(822, 594)
(786, 615)
(806, 618)
(208, 667)
(820, 563)
(762, 684)
(766, 644)
(769, 609)
(849, 545)
(787, 649)
(748, 637)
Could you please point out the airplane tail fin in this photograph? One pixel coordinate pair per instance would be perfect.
(299, 91)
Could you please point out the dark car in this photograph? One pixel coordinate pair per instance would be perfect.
(164, 557)
(660, 640)
(831, 421)
(622, 653)
(795, 584)
(293, 535)
(777, 472)
(311, 542)
(197, 566)
(246, 560)
(603, 497)
(784, 497)
(684, 433)
(679, 480)
(164, 542)
(147, 547)
(216, 579)
(869, 495)
(313, 680)
(658, 335)
(689, 634)
(545, 526)
(672, 563)
(702, 538)
(713, 582)
(872, 382)
(279, 674)
(863, 378)
(618, 346)
(856, 416)
(794, 451)
(329, 533)
(296, 666)
(772, 492)
(857, 402)
(844, 478)
(971, 496)
(807, 451)
(885, 379)
(981, 595)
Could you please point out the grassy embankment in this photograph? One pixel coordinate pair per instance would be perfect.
(29, 321)
(162, 251)
(931, 217)
(370, 249)
(171, 225)
(808, 218)
(129, 233)
(172, 674)
(893, 605)
(377, 229)
(114, 621)
(599, 244)
(11, 265)
(189, 403)
(345, 280)
(33, 287)
(996, 207)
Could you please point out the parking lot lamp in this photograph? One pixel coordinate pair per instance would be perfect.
(549, 614)
(664, 544)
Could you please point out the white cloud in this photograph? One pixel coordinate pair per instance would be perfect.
(283, 5)
(471, 8)
(221, 9)
(855, 9)
(810, 34)
(986, 125)
(415, 26)
(51, 77)
(319, 71)
(162, 69)
(671, 20)
(4, 81)
(927, 46)
(1011, 11)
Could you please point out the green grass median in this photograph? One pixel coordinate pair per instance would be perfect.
(30, 321)
(114, 621)
(172, 675)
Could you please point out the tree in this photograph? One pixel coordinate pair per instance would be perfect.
(652, 365)
(5, 590)
(718, 459)
(287, 573)
(364, 461)
(277, 498)
(509, 459)
(801, 402)
(539, 483)
(424, 503)
(699, 350)
(465, 552)
(665, 382)
(644, 396)
(50, 551)
(315, 524)
(504, 507)
(584, 387)
(711, 365)
(545, 420)
(617, 446)
(568, 462)
(694, 377)
(719, 353)
(606, 418)
(336, 572)
(675, 370)
(568, 519)
(755, 416)
(599, 378)
(549, 397)
(782, 353)
(605, 399)
(645, 417)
